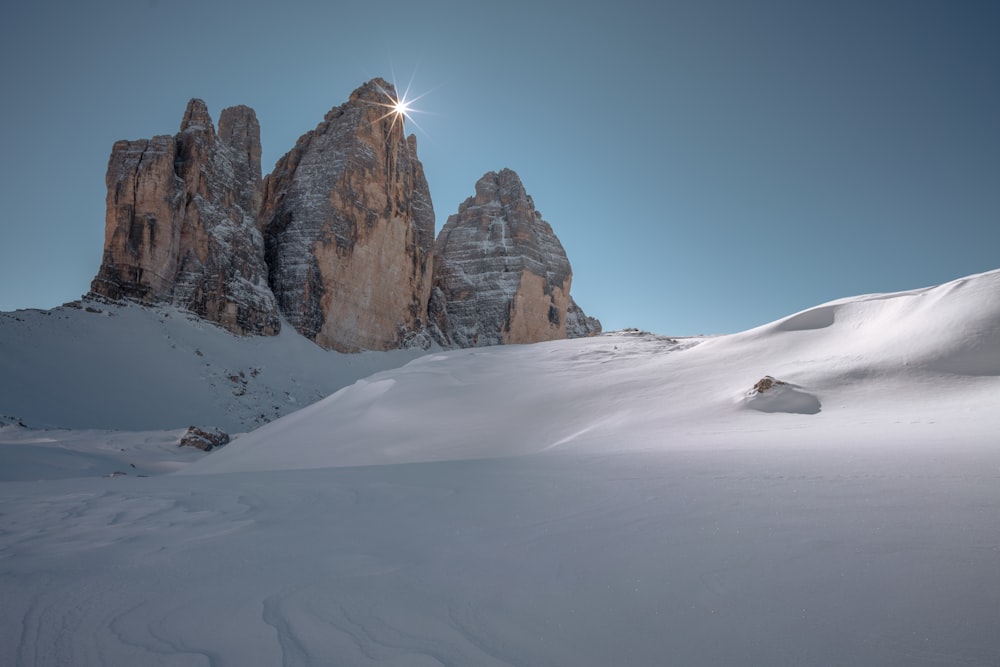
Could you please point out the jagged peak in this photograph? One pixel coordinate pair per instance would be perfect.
(502, 187)
(375, 90)
(349, 228)
(370, 102)
(238, 126)
(196, 116)
(505, 178)
(239, 113)
(180, 223)
(500, 273)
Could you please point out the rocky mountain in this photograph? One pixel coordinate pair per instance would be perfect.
(181, 223)
(349, 228)
(338, 239)
(500, 274)
(578, 323)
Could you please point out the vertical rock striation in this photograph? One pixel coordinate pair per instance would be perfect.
(339, 238)
(500, 274)
(181, 223)
(349, 228)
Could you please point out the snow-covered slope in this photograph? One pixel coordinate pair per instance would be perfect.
(921, 365)
(621, 500)
(104, 366)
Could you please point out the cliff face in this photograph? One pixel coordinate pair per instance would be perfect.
(339, 238)
(500, 274)
(181, 222)
(349, 228)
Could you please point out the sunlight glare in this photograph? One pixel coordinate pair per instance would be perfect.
(399, 107)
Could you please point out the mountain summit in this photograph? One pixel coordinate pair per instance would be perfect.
(338, 240)
(181, 223)
(349, 228)
(500, 273)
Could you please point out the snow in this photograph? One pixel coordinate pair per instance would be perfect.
(627, 499)
(929, 357)
(106, 366)
(31, 454)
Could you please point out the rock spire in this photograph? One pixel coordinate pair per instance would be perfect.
(338, 239)
(349, 228)
(500, 274)
(181, 222)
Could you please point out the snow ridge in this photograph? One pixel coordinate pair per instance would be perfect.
(591, 502)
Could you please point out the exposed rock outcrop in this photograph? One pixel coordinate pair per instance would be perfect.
(204, 439)
(764, 384)
(772, 395)
(579, 324)
(500, 274)
(181, 224)
(349, 228)
(6, 420)
(338, 239)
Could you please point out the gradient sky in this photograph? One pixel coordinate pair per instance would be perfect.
(709, 166)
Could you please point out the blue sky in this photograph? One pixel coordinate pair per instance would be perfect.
(709, 166)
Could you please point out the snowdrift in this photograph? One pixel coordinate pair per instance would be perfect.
(623, 500)
(921, 365)
(101, 366)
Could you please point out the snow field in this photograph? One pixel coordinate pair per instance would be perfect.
(620, 500)
(749, 556)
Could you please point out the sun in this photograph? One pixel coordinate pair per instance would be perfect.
(401, 107)
(398, 107)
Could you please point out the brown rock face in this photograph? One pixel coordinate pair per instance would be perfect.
(349, 228)
(339, 238)
(181, 223)
(500, 274)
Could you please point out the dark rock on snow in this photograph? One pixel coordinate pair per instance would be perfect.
(205, 440)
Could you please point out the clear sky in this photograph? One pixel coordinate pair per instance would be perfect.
(709, 166)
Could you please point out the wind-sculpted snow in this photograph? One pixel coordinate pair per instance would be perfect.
(806, 556)
(106, 366)
(590, 502)
(951, 329)
(922, 356)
